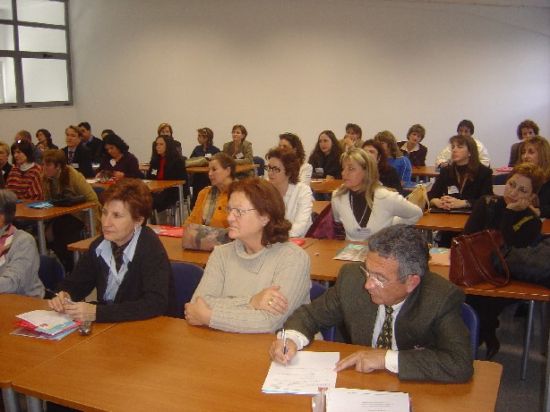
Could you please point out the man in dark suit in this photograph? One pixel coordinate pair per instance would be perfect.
(410, 318)
(92, 143)
(77, 155)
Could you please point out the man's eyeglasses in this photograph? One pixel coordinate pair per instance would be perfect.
(273, 169)
(238, 212)
(379, 281)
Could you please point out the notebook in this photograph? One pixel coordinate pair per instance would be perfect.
(461, 210)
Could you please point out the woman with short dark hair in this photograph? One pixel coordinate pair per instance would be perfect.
(525, 130)
(254, 283)
(25, 178)
(119, 162)
(128, 264)
(412, 148)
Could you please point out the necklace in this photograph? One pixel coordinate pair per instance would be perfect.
(364, 210)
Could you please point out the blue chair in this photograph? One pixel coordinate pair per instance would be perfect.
(50, 272)
(470, 318)
(186, 279)
(317, 290)
(261, 163)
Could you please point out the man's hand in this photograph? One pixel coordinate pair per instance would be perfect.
(276, 351)
(364, 361)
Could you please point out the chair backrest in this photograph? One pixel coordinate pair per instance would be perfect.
(50, 272)
(317, 290)
(261, 163)
(470, 318)
(186, 279)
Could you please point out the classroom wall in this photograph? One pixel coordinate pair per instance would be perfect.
(303, 66)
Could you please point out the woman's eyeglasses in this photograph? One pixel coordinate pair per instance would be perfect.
(238, 212)
(273, 169)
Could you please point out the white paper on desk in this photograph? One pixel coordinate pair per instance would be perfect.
(358, 400)
(307, 372)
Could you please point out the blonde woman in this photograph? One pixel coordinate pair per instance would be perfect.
(362, 206)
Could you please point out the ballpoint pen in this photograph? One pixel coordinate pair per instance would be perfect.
(283, 336)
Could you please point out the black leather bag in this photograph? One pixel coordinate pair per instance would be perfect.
(69, 200)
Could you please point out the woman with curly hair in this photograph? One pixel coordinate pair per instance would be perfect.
(119, 162)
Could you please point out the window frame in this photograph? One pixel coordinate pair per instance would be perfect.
(19, 55)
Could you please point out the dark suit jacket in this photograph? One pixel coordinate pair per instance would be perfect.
(432, 339)
(82, 158)
(95, 146)
(146, 291)
(473, 189)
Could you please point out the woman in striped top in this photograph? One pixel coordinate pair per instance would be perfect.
(25, 178)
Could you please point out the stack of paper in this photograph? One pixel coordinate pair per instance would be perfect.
(353, 252)
(45, 324)
(357, 400)
(304, 375)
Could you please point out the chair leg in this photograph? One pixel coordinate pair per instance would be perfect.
(544, 326)
(527, 341)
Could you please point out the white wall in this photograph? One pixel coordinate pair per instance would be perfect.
(302, 66)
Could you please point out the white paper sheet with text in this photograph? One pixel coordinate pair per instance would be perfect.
(357, 400)
(307, 372)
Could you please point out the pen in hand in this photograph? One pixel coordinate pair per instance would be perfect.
(284, 341)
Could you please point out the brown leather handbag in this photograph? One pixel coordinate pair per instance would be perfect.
(473, 259)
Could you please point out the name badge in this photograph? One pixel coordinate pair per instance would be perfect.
(154, 172)
(364, 232)
(112, 162)
(208, 155)
(75, 165)
(319, 170)
(452, 190)
(239, 156)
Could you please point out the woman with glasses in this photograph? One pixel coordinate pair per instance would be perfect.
(362, 206)
(283, 168)
(254, 283)
(211, 204)
(515, 216)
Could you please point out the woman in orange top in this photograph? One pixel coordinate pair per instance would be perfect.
(210, 208)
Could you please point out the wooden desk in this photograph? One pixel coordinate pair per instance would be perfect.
(442, 221)
(164, 364)
(424, 171)
(323, 266)
(325, 185)
(455, 222)
(40, 215)
(154, 186)
(320, 205)
(19, 354)
(240, 168)
(173, 248)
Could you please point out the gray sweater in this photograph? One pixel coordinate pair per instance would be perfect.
(232, 277)
(19, 271)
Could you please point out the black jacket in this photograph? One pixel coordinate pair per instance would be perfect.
(82, 160)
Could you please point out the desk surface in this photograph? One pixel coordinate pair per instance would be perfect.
(22, 211)
(165, 364)
(153, 185)
(425, 171)
(173, 246)
(325, 185)
(443, 221)
(20, 354)
(325, 268)
(240, 168)
(320, 205)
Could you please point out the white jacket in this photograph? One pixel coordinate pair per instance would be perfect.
(298, 207)
(389, 208)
